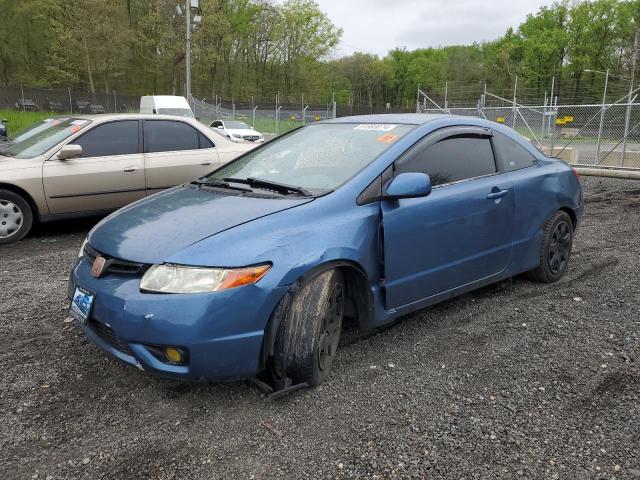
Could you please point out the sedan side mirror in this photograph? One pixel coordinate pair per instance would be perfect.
(408, 185)
(70, 151)
(220, 127)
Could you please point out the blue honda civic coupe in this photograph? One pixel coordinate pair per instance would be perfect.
(252, 270)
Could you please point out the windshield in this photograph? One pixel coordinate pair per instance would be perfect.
(238, 125)
(181, 112)
(32, 129)
(319, 156)
(45, 135)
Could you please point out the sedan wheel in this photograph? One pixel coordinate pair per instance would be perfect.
(11, 218)
(15, 217)
(559, 248)
(309, 333)
(556, 249)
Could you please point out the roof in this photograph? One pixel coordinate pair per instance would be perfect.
(122, 116)
(408, 118)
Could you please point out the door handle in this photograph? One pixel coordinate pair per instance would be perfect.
(497, 194)
(129, 169)
(206, 163)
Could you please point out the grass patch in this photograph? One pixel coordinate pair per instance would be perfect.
(268, 125)
(17, 120)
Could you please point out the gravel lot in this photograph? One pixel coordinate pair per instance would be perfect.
(517, 380)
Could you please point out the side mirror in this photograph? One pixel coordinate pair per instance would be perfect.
(220, 127)
(408, 185)
(70, 151)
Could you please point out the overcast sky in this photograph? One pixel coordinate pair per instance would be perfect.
(377, 26)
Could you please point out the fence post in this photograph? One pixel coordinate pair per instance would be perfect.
(278, 120)
(22, 100)
(333, 103)
(233, 110)
(446, 94)
(115, 102)
(604, 100)
(544, 116)
(70, 102)
(515, 88)
(628, 114)
(254, 116)
(277, 113)
(554, 111)
(553, 86)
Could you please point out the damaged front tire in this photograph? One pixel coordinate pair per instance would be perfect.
(308, 337)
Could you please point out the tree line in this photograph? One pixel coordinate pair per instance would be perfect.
(249, 50)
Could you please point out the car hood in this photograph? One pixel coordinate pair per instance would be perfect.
(154, 229)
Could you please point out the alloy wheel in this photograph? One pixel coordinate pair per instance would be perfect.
(559, 247)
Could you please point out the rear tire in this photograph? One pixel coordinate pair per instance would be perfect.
(557, 242)
(308, 336)
(16, 217)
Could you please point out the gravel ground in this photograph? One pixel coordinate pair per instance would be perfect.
(517, 380)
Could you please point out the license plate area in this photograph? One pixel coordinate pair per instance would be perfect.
(81, 304)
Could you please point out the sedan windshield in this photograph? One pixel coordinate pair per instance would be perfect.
(43, 136)
(318, 157)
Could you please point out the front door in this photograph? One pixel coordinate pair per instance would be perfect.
(175, 153)
(461, 232)
(108, 175)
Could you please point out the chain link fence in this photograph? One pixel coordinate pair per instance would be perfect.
(266, 118)
(65, 100)
(605, 135)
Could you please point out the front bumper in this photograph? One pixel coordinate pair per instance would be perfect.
(222, 331)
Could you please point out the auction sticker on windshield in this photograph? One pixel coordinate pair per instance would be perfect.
(81, 304)
(375, 127)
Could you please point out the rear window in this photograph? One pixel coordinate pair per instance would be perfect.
(167, 136)
(511, 154)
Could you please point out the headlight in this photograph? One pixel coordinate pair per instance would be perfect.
(235, 135)
(81, 252)
(168, 278)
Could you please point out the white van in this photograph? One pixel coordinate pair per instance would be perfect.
(165, 105)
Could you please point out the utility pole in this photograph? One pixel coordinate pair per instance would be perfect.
(634, 55)
(187, 14)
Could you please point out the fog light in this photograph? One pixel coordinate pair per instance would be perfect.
(174, 355)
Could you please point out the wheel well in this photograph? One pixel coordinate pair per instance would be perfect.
(572, 215)
(358, 308)
(25, 195)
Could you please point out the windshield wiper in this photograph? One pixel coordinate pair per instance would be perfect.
(271, 185)
(209, 183)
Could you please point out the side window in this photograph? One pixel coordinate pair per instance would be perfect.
(451, 159)
(169, 135)
(511, 154)
(204, 141)
(114, 138)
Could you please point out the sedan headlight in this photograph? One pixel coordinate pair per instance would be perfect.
(235, 135)
(81, 252)
(169, 278)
